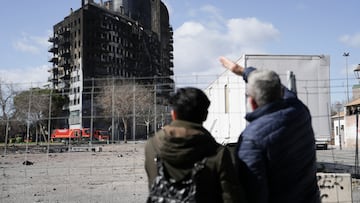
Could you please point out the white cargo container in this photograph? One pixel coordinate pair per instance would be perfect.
(309, 75)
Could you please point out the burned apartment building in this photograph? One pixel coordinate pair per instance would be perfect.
(110, 39)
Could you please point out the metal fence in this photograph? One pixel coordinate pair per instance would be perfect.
(128, 108)
(38, 168)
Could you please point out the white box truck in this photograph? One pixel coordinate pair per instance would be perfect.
(308, 75)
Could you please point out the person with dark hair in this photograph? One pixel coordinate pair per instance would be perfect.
(276, 155)
(187, 101)
(185, 142)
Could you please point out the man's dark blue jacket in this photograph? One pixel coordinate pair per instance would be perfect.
(276, 152)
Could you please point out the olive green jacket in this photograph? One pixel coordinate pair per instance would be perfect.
(183, 143)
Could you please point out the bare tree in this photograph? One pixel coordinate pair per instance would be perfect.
(7, 93)
(121, 100)
(145, 110)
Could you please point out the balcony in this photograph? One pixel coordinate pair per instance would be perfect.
(65, 55)
(53, 49)
(54, 59)
(65, 77)
(64, 31)
(64, 63)
(52, 79)
(64, 43)
(52, 39)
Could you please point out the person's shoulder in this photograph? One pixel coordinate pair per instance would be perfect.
(221, 148)
(220, 151)
(154, 141)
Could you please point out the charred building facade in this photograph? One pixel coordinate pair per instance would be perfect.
(116, 38)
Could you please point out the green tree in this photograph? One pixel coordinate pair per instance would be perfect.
(32, 107)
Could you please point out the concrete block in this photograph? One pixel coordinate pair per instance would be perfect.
(335, 187)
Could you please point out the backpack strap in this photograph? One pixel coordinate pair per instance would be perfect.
(198, 166)
(159, 165)
(155, 141)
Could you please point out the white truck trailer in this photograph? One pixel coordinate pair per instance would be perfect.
(308, 75)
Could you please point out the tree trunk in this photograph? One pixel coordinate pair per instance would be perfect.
(125, 129)
(43, 133)
(36, 134)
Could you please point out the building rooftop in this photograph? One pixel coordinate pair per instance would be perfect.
(353, 102)
(338, 115)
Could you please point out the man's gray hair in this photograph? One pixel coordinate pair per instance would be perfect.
(264, 86)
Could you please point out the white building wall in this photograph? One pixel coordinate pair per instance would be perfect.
(226, 116)
(350, 131)
(312, 73)
(336, 123)
(75, 118)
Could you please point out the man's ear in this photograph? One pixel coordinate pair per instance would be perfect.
(253, 103)
(282, 91)
(173, 115)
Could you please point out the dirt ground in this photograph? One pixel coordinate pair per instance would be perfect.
(114, 174)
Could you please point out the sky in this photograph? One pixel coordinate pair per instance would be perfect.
(203, 31)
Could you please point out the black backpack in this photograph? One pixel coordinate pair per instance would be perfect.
(165, 189)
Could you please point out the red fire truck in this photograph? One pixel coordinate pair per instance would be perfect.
(79, 134)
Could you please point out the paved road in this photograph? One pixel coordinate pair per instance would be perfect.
(335, 160)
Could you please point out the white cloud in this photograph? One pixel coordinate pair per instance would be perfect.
(351, 40)
(26, 77)
(31, 76)
(251, 32)
(25, 47)
(31, 44)
(198, 45)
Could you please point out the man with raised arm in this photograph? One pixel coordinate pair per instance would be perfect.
(276, 154)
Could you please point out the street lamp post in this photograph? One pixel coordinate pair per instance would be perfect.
(356, 143)
(346, 54)
(357, 75)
